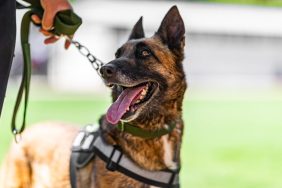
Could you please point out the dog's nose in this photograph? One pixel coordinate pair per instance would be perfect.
(108, 71)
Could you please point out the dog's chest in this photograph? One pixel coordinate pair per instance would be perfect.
(153, 154)
(169, 153)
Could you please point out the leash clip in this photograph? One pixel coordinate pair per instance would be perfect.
(17, 136)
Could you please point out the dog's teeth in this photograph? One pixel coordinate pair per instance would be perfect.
(144, 92)
(127, 109)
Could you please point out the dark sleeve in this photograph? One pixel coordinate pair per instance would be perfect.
(7, 43)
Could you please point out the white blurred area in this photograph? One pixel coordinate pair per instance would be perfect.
(227, 47)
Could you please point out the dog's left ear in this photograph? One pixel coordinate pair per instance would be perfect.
(137, 31)
(172, 30)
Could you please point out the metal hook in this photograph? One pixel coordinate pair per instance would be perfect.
(17, 136)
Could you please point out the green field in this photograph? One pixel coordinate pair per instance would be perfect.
(230, 141)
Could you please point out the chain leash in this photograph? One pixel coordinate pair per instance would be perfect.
(83, 50)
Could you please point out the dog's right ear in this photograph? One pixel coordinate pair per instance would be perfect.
(172, 30)
(137, 31)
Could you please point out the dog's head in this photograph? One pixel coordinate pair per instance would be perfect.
(147, 73)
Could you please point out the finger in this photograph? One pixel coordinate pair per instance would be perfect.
(45, 33)
(36, 19)
(48, 19)
(51, 40)
(67, 44)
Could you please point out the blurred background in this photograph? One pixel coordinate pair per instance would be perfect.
(233, 106)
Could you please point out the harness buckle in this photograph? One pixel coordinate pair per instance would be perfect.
(114, 159)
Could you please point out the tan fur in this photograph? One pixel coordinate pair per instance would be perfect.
(40, 159)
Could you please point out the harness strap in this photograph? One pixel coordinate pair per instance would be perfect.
(82, 150)
(66, 23)
(73, 170)
(116, 161)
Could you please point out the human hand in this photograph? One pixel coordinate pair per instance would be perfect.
(51, 8)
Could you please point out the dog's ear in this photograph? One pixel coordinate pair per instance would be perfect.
(172, 30)
(137, 31)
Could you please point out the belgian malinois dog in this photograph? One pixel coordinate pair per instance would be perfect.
(148, 86)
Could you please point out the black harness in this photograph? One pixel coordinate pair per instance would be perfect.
(89, 144)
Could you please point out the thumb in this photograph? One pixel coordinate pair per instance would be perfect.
(48, 19)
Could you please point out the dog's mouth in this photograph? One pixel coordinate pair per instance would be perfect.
(130, 101)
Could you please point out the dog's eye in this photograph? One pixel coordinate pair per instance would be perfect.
(144, 52)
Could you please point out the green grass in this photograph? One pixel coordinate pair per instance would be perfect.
(234, 144)
(229, 141)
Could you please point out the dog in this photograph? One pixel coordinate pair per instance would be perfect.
(148, 84)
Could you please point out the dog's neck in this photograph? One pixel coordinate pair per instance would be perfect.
(153, 154)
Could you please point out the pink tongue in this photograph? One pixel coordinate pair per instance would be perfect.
(118, 108)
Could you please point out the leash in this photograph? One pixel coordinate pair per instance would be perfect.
(65, 24)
